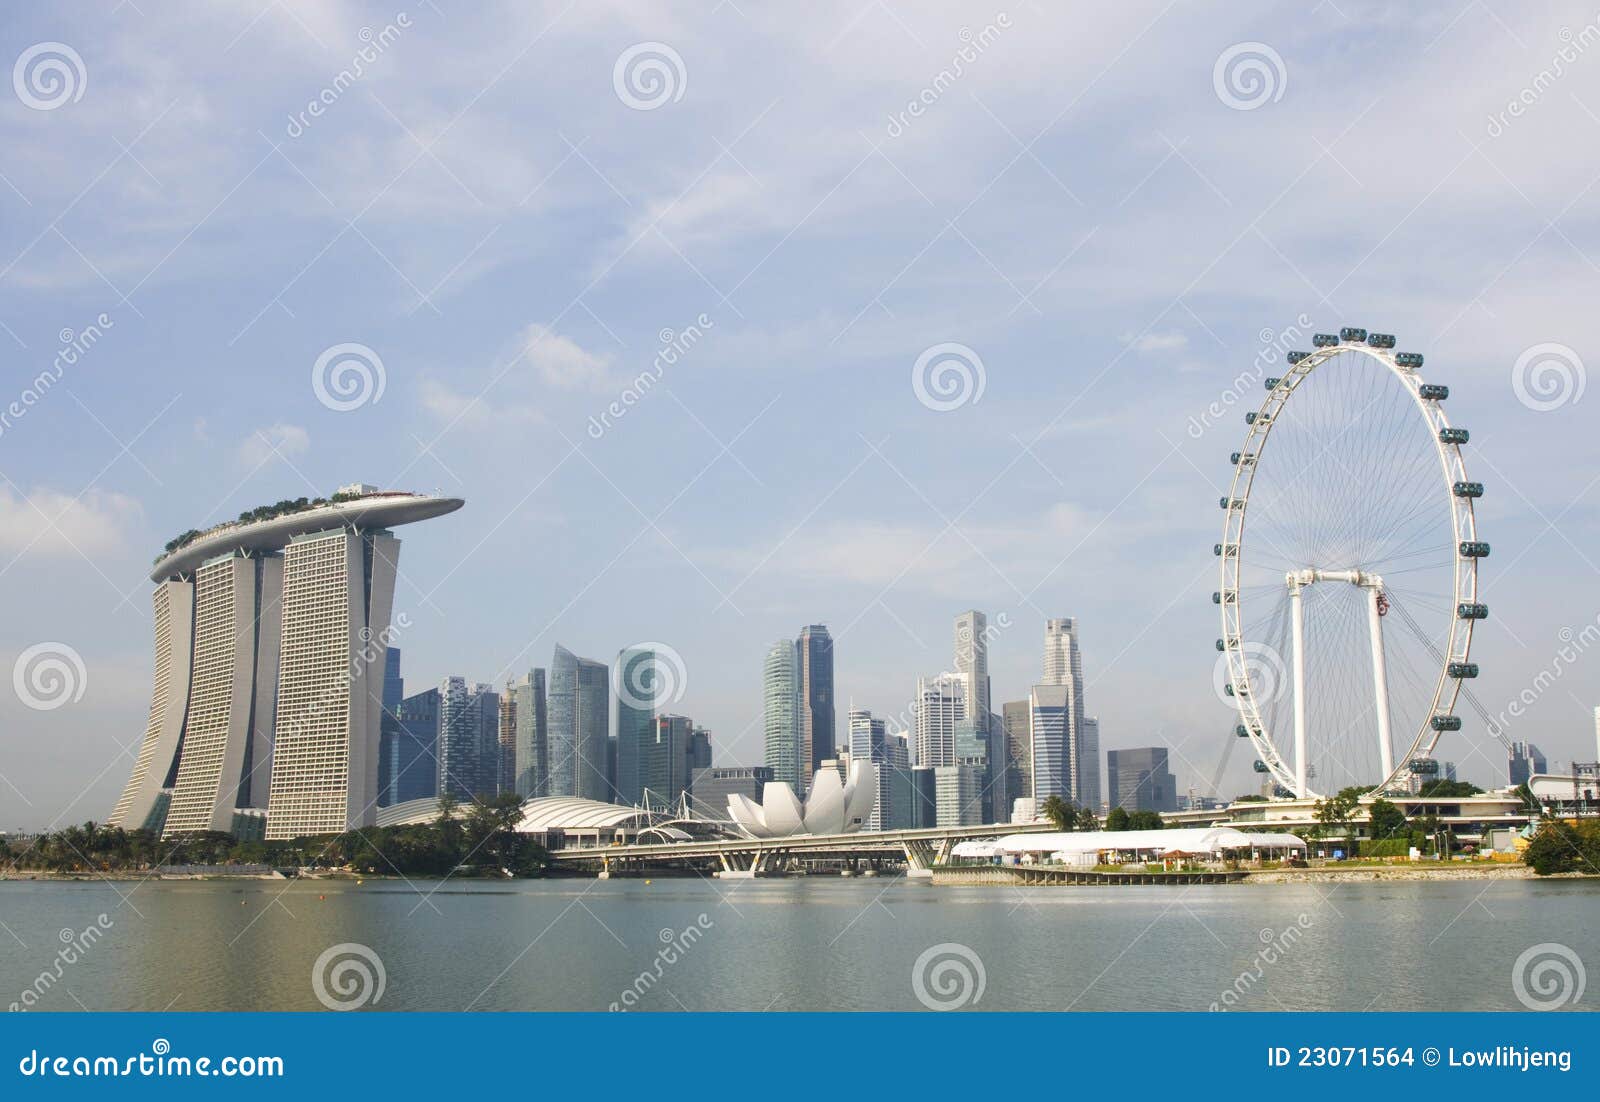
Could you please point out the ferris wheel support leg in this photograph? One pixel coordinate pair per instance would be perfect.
(1380, 681)
(1298, 612)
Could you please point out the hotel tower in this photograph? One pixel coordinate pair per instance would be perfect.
(271, 634)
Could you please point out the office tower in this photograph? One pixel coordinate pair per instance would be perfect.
(394, 694)
(1447, 770)
(1525, 761)
(1051, 749)
(712, 786)
(412, 767)
(1017, 724)
(958, 795)
(939, 705)
(664, 768)
(227, 738)
(972, 663)
(1140, 780)
(699, 753)
(580, 716)
(870, 741)
(457, 762)
(285, 711)
(506, 774)
(923, 797)
(780, 695)
(638, 689)
(894, 783)
(531, 762)
(1063, 666)
(815, 651)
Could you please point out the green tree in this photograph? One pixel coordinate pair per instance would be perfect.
(1117, 819)
(1145, 820)
(1059, 811)
(1385, 820)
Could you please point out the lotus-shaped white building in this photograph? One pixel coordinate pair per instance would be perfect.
(832, 807)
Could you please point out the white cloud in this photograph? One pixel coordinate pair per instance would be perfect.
(274, 442)
(48, 522)
(1157, 342)
(561, 361)
(476, 410)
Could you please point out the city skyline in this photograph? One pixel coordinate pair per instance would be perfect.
(780, 468)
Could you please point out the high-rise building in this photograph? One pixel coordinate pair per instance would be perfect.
(1017, 723)
(394, 694)
(699, 752)
(227, 739)
(469, 740)
(1051, 749)
(271, 635)
(1140, 780)
(639, 693)
(411, 768)
(780, 693)
(506, 773)
(580, 717)
(1063, 666)
(814, 649)
(870, 741)
(531, 764)
(1525, 760)
(972, 663)
(958, 795)
(665, 766)
(940, 704)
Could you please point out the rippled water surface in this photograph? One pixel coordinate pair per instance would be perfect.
(804, 944)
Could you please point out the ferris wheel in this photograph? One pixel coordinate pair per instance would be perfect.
(1349, 570)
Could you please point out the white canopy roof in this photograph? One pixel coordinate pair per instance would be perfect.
(1213, 840)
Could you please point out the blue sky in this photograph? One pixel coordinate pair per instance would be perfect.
(485, 211)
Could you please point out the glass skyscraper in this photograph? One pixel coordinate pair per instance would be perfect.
(815, 651)
(580, 718)
(531, 768)
(780, 692)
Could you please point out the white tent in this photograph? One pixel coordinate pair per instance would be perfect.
(1213, 841)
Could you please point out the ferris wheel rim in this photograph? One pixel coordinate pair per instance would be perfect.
(1458, 645)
